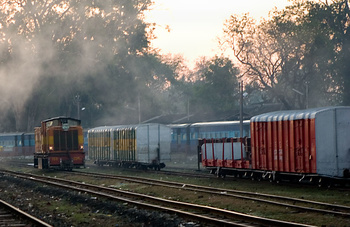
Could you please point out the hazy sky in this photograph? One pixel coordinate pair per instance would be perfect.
(196, 24)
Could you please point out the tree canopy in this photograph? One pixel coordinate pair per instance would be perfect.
(53, 51)
(93, 60)
(298, 56)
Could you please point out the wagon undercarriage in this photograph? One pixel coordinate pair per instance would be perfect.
(278, 177)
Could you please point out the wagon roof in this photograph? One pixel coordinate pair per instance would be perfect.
(294, 114)
(184, 125)
(219, 123)
(13, 134)
(213, 123)
(135, 126)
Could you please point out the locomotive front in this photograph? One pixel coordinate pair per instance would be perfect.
(59, 144)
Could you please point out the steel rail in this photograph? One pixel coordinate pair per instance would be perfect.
(330, 208)
(224, 217)
(24, 216)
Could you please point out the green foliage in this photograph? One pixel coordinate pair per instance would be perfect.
(52, 52)
(216, 91)
(303, 47)
(98, 50)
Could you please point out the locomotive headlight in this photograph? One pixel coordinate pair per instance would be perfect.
(51, 148)
(81, 147)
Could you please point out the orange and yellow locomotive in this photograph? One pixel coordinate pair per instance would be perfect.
(59, 144)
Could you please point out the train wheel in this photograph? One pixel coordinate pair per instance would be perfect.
(218, 172)
(35, 163)
(323, 182)
(257, 176)
(252, 177)
(320, 182)
(270, 177)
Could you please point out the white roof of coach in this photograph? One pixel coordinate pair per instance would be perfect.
(135, 126)
(220, 123)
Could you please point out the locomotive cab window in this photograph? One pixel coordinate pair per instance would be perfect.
(64, 121)
(71, 122)
(52, 123)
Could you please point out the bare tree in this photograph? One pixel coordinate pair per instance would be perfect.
(295, 55)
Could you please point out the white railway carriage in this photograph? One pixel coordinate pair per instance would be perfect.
(140, 146)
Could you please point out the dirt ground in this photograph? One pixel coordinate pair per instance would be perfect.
(63, 208)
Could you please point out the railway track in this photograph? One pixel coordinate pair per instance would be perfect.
(204, 214)
(283, 201)
(13, 216)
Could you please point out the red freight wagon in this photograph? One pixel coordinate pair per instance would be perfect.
(225, 153)
(299, 145)
(313, 141)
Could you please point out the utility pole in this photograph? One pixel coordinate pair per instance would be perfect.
(302, 94)
(188, 109)
(77, 101)
(241, 109)
(307, 95)
(139, 107)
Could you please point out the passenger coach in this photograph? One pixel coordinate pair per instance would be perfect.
(185, 136)
(16, 144)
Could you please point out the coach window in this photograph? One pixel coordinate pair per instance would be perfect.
(193, 136)
(178, 138)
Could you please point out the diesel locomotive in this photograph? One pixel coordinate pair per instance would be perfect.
(59, 144)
